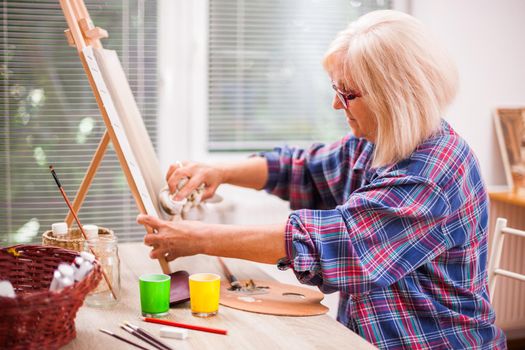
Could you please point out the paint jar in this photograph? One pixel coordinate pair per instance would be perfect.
(106, 251)
(205, 290)
(60, 230)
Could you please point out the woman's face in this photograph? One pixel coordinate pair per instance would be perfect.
(358, 116)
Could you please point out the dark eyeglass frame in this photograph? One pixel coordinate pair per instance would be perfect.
(345, 97)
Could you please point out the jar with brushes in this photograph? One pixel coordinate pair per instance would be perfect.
(107, 293)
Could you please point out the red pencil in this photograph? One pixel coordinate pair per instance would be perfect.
(183, 325)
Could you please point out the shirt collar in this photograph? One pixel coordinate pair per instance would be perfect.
(365, 156)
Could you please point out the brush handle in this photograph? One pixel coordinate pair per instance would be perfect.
(152, 338)
(126, 341)
(68, 203)
(143, 338)
(234, 282)
(129, 342)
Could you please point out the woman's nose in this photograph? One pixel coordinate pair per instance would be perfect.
(336, 103)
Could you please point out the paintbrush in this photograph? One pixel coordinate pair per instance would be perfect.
(234, 282)
(122, 339)
(79, 225)
(141, 337)
(147, 335)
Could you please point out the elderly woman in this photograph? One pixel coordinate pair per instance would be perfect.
(393, 215)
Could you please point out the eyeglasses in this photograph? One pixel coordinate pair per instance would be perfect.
(344, 97)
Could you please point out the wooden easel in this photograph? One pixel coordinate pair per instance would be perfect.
(85, 37)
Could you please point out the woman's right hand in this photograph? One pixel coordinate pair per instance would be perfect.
(196, 174)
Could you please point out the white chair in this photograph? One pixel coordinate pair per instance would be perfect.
(495, 257)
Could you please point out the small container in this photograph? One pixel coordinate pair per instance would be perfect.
(60, 229)
(91, 231)
(106, 252)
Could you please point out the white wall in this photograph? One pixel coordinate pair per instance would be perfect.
(486, 39)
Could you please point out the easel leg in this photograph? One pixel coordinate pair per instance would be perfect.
(88, 178)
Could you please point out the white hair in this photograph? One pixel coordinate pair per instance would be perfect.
(405, 78)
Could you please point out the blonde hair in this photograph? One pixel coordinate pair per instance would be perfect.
(405, 78)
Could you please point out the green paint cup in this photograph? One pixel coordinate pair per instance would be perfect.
(154, 294)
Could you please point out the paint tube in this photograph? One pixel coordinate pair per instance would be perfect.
(83, 270)
(66, 275)
(87, 256)
(6, 289)
(55, 282)
(77, 263)
(66, 282)
(63, 277)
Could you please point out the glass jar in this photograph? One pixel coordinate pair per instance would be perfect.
(106, 251)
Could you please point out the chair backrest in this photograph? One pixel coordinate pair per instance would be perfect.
(494, 270)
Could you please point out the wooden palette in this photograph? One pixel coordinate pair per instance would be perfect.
(279, 299)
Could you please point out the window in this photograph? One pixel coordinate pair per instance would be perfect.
(266, 82)
(49, 115)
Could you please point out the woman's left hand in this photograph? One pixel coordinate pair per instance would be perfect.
(173, 239)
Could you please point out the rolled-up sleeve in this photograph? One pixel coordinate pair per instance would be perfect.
(274, 167)
(384, 231)
(306, 178)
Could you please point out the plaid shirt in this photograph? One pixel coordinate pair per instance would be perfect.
(405, 244)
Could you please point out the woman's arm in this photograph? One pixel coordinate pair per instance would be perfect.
(262, 243)
(250, 173)
(306, 178)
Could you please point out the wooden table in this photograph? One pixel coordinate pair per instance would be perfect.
(245, 330)
(507, 197)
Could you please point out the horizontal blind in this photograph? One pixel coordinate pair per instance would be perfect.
(266, 81)
(50, 116)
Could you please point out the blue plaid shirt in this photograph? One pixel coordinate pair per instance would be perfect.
(405, 244)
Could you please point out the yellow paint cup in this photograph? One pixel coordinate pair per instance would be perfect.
(205, 290)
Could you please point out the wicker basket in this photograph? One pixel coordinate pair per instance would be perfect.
(37, 318)
(74, 240)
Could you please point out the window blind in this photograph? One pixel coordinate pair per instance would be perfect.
(50, 116)
(266, 82)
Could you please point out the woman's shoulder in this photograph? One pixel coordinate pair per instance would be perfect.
(445, 146)
(443, 156)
